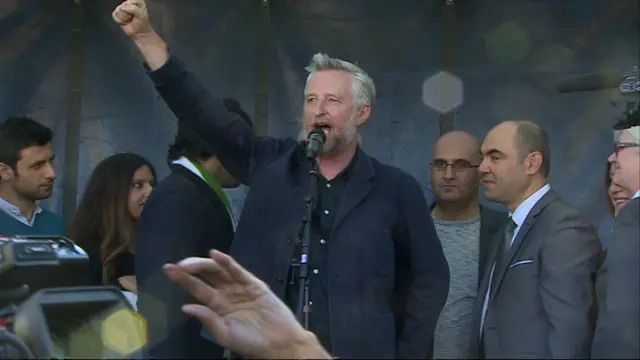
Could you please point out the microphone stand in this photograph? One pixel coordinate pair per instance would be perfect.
(304, 304)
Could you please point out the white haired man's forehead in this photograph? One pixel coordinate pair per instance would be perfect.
(363, 86)
(634, 131)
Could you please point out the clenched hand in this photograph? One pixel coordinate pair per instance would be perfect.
(133, 18)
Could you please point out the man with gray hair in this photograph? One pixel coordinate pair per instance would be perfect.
(374, 255)
(617, 334)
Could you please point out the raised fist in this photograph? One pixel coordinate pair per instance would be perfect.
(133, 18)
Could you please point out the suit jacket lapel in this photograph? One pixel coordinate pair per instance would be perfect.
(489, 227)
(358, 187)
(492, 255)
(292, 207)
(298, 188)
(522, 234)
(483, 287)
(199, 182)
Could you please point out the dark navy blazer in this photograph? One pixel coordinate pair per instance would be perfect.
(384, 248)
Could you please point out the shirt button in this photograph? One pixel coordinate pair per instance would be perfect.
(326, 212)
(322, 241)
(328, 185)
(315, 271)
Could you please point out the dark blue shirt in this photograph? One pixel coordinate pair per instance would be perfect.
(329, 195)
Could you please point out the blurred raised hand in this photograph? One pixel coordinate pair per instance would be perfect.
(241, 311)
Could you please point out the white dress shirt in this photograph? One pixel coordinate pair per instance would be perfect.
(186, 163)
(518, 217)
(15, 213)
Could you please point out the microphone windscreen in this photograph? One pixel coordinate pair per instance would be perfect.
(317, 134)
(610, 79)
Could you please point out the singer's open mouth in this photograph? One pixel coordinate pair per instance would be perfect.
(324, 127)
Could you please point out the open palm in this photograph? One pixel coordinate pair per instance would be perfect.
(238, 308)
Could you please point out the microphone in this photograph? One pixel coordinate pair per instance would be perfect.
(610, 79)
(315, 142)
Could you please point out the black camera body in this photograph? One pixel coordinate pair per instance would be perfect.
(39, 262)
(48, 312)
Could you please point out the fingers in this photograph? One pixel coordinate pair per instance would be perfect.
(212, 321)
(234, 270)
(133, 10)
(208, 269)
(129, 9)
(138, 3)
(194, 286)
(121, 17)
(217, 271)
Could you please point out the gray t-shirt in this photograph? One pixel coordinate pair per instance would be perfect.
(460, 242)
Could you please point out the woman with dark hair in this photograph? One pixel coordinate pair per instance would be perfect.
(106, 219)
(616, 196)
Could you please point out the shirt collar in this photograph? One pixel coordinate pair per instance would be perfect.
(186, 163)
(637, 195)
(346, 172)
(15, 213)
(523, 210)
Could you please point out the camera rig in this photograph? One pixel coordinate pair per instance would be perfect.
(628, 85)
(47, 312)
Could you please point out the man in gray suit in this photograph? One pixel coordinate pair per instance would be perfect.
(535, 296)
(466, 230)
(617, 332)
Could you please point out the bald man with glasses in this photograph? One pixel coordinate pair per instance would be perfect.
(465, 229)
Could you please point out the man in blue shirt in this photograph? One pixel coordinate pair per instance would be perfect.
(26, 176)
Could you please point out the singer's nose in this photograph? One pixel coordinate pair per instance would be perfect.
(320, 108)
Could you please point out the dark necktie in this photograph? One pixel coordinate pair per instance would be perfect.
(509, 228)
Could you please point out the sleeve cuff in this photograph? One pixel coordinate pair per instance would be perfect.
(166, 72)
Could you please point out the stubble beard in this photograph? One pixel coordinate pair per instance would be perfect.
(31, 196)
(335, 143)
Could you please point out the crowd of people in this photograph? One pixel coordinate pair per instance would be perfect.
(390, 275)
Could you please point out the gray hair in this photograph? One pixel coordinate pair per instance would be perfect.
(633, 131)
(362, 85)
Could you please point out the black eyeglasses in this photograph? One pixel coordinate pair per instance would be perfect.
(458, 165)
(623, 145)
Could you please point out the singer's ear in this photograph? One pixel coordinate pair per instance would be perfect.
(363, 115)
